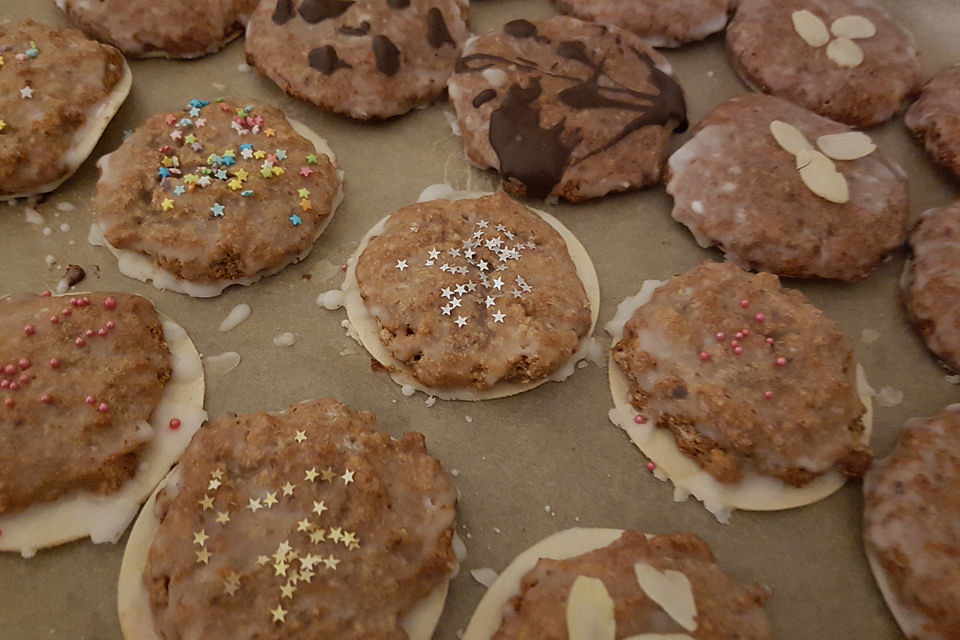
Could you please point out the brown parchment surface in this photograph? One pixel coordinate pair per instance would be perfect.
(529, 465)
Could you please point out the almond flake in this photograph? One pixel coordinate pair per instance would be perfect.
(822, 178)
(671, 591)
(851, 145)
(812, 29)
(845, 52)
(853, 27)
(590, 611)
(789, 137)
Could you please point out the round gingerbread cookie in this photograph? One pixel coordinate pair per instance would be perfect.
(911, 516)
(781, 189)
(660, 24)
(214, 195)
(171, 28)
(585, 584)
(845, 59)
(930, 284)
(58, 92)
(935, 118)
(471, 296)
(309, 523)
(99, 395)
(565, 108)
(741, 392)
(360, 58)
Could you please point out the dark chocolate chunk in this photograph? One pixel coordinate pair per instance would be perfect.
(437, 32)
(314, 11)
(528, 153)
(325, 60)
(398, 4)
(484, 97)
(388, 56)
(283, 11)
(75, 274)
(520, 29)
(362, 30)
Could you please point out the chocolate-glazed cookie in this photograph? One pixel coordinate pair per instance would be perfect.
(659, 23)
(360, 58)
(213, 195)
(171, 28)
(845, 59)
(566, 108)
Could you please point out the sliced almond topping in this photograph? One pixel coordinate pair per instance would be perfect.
(822, 178)
(805, 157)
(671, 590)
(789, 137)
(846, 146)
(590, 611)
(845, 52)
(853, 27)
(812, 29)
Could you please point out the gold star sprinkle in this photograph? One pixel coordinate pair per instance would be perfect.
(223, 517)
(280, 567)
(203, 556)
(260, 154)
(347, 477)
(305, 525)
(279, 614)
(311, 474)
(262, 560)
(167, 204)
(300, 437)
(350, 540)
(330, 562)
(206, 503)
(235, 184)
(231, 584)
(217, 475)
(309, 561)
(319, 507)
(282, 549)
(288, 489)
(241, 175)
(329, 475)
(214, 485)
(286, 591)
(335, 534)
(269, 133)
(270, 500)
(200, 537)
(254, 505)
(306, 575)
(317, 536)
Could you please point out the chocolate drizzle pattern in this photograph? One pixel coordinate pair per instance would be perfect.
(536, 156)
